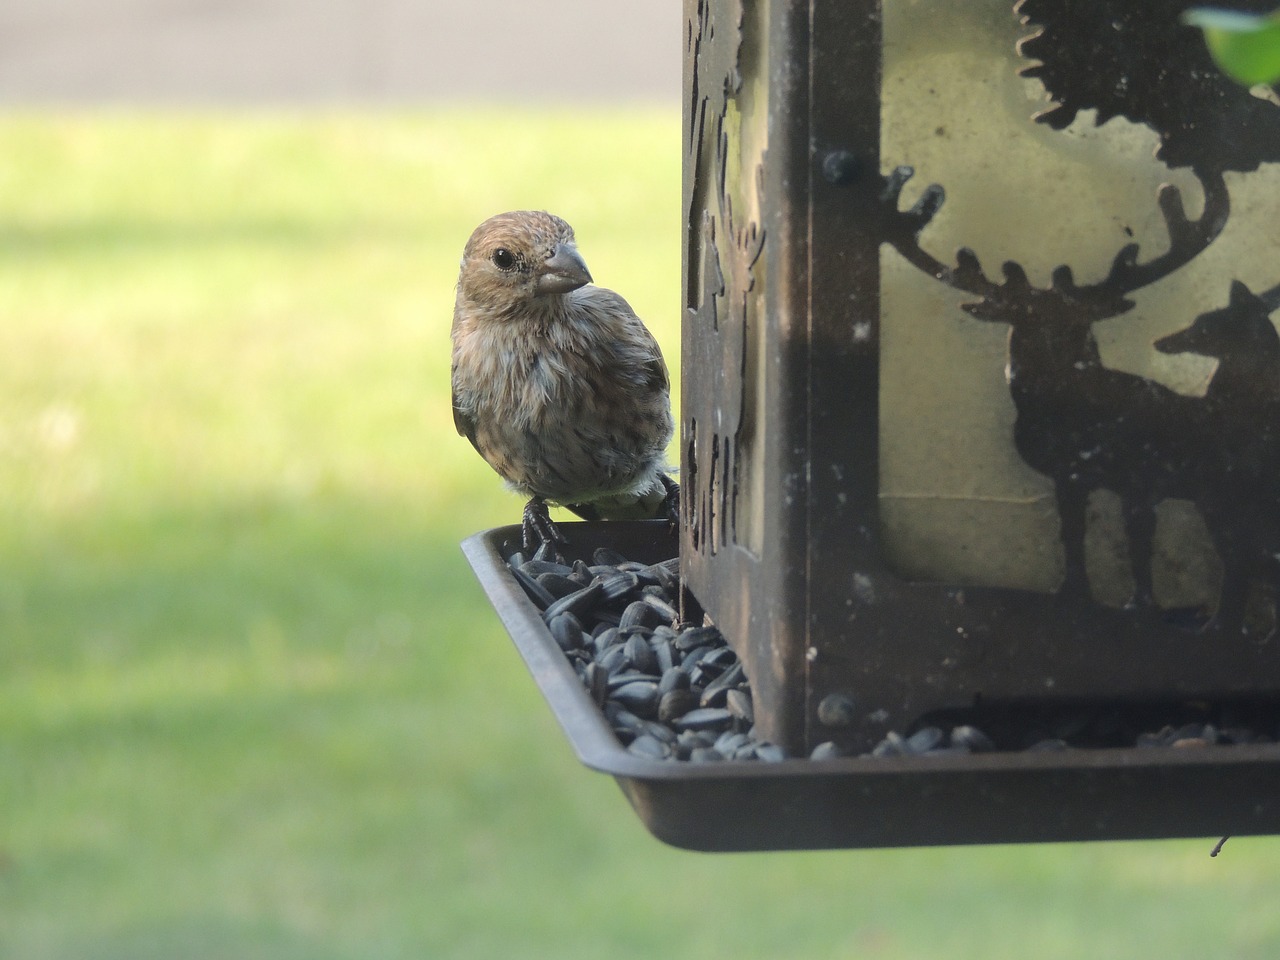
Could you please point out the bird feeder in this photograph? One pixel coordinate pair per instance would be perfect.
(956, 279)
(980, 414)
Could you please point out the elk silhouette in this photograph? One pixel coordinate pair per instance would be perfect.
(1238, 467)
(1083, 425)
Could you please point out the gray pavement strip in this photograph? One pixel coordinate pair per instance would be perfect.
(322, 51)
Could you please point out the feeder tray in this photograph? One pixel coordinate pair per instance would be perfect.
(801, 804)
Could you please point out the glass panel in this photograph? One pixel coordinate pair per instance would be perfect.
(973, 474)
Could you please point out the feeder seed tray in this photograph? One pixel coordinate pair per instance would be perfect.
(1004, 797)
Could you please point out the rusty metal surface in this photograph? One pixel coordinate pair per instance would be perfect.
(789, 205)
(745, 340)
(887, 802)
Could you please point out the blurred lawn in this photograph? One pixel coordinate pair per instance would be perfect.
(252, 703)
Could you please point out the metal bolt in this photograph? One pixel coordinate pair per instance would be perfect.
(840, 167)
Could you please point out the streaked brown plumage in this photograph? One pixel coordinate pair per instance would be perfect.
(557, 383)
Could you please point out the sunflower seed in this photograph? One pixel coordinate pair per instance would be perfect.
(659, 731)
(972, 739)
(640, 654)
(705, 755)
(567, 631)
(536, 591)
(673, 678)
(729, 742)
(637, 614)
(698, 637)
(770, 752)
(836, 710)
(719, 688)
(893, 745)
(692, 658)
(704, 718)
(825, 751)
(558, 586)
(630, 676)
(663, 576)
(713, 697)
(624, 719)
(617, 585)
(605, 639)
(576, 603)
(924, 740)
(607, 556)
(663, 609)
(614, 658)
(675, 704)
(688, 740)
(640, 697)
(649, 747)
(536, 568)
(662, 653)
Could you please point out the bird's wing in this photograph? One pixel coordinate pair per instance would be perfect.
(656, 368)
(464, 424)
(659, 379)
(641, 342)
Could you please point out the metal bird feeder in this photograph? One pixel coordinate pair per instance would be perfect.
(981, 418)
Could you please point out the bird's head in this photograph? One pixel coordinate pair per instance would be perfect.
(515, 258)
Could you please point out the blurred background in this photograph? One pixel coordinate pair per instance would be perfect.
(252, 701)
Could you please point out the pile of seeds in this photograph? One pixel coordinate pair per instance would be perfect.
(677, 691)
(669, 690)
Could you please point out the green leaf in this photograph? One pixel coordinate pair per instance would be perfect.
(1245, 46)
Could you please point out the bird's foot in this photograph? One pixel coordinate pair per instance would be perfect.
(671, 502)
(537, 528)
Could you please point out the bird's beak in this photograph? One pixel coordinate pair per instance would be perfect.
(563, 271)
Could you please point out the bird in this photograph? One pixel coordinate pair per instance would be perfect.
(556, 382)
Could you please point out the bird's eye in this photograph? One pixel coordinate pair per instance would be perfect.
(503, 258)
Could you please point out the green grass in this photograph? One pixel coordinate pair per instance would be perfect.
(252, 703)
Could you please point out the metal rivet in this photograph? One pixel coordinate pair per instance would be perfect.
(840, 167)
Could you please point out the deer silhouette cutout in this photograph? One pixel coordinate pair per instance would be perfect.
(1085, 426)
(1088, 427)
(1238, 466)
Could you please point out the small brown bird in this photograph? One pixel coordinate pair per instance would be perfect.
(557, 383)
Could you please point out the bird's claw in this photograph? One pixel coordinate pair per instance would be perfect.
(537, 527)
(671, 502)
